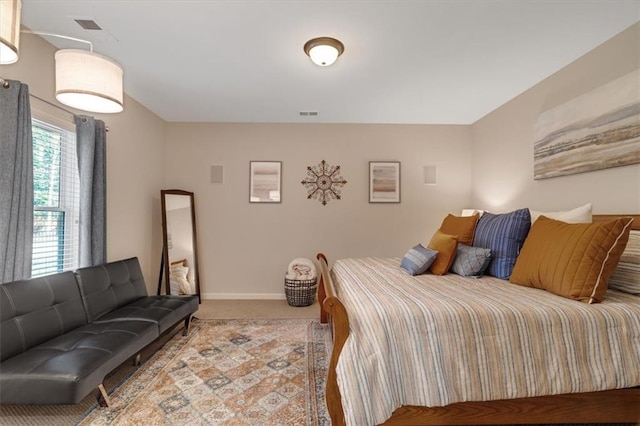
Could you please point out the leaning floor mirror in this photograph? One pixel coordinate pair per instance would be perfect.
(179, 253)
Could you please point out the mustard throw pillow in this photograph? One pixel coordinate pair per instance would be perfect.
(462, 227)
(446, 246)
(573, 260)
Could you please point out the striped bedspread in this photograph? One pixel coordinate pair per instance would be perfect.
(433, 341)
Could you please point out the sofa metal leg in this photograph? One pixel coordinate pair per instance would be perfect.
(187, 324)
(136, 360)
(103, 398)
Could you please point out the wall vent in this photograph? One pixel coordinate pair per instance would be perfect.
(430, 175)
(217, 174)
(88, 24)
(308, 113)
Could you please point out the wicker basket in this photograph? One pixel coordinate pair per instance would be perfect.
(300, 292)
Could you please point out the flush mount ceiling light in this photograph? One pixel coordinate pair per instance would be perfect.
(9, 30)
(88, 81)
(323, 51)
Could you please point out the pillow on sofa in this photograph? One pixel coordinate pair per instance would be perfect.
(463, 227)
(445, 245)
(626, 276)
(572, 260)
(504, 234)
(471, 261)
(418, 259)
(580, 214)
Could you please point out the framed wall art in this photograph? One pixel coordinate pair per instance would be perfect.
(597, 130)
(384, 181)
(265, 181)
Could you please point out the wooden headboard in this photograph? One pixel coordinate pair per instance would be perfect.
(604, 217)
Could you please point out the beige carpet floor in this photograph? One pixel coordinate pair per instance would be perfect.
(255, 309)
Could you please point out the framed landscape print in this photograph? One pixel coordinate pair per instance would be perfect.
(265, 181)
(384, 181)
(597, 130)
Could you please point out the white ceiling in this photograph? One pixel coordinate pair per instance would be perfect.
(446, 62)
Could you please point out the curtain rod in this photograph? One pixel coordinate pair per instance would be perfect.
(4, 83)
(52, 104)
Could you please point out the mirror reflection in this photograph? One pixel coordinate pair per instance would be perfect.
(180, 260)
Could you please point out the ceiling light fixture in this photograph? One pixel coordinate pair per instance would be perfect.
(9, 30)
(88, 81)
(323, 51)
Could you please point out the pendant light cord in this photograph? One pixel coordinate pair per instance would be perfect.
(59, 36)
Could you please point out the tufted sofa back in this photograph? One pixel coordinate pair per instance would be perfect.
(107, 287)
(36, 310)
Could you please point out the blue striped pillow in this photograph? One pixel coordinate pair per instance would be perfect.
(418, 260)
(504, 234)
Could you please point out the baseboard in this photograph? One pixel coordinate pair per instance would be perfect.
(243, 296)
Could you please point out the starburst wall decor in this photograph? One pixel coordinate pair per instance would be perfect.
(324, 182)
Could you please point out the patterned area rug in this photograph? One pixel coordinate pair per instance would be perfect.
(229, 372)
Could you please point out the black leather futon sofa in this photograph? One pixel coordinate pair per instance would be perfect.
(61, 334)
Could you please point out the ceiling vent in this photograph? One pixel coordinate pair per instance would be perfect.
(88, 24)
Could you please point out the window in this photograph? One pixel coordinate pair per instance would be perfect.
(55, 199)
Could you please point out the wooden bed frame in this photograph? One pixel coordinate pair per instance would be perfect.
(612, 406)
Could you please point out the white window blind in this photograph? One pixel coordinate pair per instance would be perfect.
(55, 199)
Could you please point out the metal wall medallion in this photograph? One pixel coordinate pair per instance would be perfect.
(324, 182)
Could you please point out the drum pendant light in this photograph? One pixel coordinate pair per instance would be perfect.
(9, 30)
(88, 81)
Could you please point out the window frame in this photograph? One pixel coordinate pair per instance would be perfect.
(68, 202)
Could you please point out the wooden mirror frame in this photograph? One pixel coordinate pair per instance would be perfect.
(165, 246)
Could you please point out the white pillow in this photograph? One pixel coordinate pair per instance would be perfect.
(180, 284)
(178, 275)
(580, 214)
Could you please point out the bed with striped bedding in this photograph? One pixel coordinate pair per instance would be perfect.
(433, 341)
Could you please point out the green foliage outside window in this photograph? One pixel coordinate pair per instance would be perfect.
(52, 250)
(46, 167)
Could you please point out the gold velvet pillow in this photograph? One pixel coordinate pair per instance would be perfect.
(462, 227)
(572, 260)
(446, 246)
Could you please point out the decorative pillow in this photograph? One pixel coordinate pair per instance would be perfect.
(179, 270)
(504, 234)
(462, 227)
(626, 276)
(580, 214)
(418, 259)
(471, 261)
(181, 284)
(178, 278)
(445, 245)
(572, 260)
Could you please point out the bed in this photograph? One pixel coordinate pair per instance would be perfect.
(531, 392)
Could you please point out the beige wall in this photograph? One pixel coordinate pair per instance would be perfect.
(135, 161)
(245, 248)
(503, 142)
